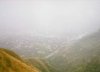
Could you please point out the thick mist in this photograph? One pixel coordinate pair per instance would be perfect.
(49, 18)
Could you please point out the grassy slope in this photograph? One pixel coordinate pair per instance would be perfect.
(41, 64)
(9, 63)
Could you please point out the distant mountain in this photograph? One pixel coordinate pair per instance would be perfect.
(82, 56)
(88, 46)
(10, 62)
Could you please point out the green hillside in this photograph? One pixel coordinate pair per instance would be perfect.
(82, 56)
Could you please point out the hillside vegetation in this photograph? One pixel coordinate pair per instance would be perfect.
(82, 56)
(41, 64)
(10, 62)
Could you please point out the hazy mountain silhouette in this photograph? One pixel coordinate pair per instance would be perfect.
(82, 56)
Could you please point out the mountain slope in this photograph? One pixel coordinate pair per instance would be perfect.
(41, 64)
(9, 63)
(82, 56)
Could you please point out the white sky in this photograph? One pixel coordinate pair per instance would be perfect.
(49, 18)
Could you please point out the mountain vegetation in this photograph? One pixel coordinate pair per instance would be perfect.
(82, 56)
(10, 62)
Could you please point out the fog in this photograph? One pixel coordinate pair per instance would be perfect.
(49, 18)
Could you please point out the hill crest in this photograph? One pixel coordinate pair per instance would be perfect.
(9, 63)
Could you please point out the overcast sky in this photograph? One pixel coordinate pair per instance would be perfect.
(49, 18)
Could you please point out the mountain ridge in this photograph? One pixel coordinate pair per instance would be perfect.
(12, 64)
